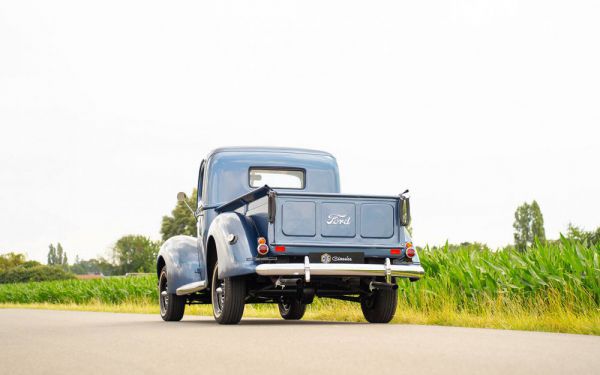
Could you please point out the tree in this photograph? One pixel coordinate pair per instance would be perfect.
(134, 253)
(93, 266)
(11, 260)
(181, 221)
(528, 225)
(537, 222)
(51, 255)
(57, 256)
(61, 256)
(592, 238)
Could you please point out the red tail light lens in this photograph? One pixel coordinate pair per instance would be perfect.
(280, 249)
(262, 249)
(410, 252)
(395, 252)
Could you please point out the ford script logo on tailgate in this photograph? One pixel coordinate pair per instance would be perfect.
(335, 219)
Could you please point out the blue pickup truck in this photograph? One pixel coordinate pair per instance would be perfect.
(272, 227)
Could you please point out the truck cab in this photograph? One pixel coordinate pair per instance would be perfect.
(273, 227)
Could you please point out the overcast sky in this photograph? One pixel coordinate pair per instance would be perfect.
(107, 108)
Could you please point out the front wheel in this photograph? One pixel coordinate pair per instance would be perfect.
(381, 306)
(228, 295)
(291, 308)
(172, 306)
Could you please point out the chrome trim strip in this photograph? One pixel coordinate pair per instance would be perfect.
(339, 269)
(191, 288)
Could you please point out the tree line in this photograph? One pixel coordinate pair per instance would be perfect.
(529, 228)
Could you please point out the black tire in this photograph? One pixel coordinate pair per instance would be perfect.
(227, 296)
(291, 308)
(381, 306)
(172, 306)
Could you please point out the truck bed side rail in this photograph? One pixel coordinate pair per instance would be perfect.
(244, 199)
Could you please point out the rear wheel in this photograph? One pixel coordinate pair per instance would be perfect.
(228, 295)
(291, 308)
(172, 306)
(381, 306)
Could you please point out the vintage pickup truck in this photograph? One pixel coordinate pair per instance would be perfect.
(272, 227)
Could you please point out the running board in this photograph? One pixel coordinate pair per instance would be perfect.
(191, 288)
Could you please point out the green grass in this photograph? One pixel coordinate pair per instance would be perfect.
(551, 287)
(110, 290)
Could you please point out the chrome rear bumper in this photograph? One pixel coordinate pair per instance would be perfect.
(341, 269)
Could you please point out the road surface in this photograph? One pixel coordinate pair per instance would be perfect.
(68, 342)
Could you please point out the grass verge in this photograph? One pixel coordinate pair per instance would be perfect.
(327, 310)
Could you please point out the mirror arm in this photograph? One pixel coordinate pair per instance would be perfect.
(189, 207)
(182, 197)
(201, 208)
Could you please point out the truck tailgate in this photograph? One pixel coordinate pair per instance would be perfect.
(336, 220)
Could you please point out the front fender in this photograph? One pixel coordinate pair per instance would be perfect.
(235, 259)
(180, 255)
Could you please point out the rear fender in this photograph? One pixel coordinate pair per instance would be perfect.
(180, 255)
(235, 258)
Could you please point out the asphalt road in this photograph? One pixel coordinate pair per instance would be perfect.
(66, 342)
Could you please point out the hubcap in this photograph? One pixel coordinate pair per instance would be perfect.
(163, 295)
(285, 305)
(218, 293)
(370, 301)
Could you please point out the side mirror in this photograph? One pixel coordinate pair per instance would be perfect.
(405, 209)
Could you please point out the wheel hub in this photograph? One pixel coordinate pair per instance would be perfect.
(218, 294)
(163, 295)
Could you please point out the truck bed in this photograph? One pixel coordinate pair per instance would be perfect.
(316, 222)
(338, 220)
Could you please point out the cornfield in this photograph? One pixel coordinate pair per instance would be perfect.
(556, 278)
(565, 272)
(110, 290)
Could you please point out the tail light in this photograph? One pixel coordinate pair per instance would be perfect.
(395, 252)
(262, 248)
(280, 249)
(410, 252)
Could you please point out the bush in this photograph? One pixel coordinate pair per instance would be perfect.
(11, 260)
(28, 272)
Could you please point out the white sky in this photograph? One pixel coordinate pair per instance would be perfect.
(107, 108)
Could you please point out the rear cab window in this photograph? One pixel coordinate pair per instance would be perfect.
(277, 178)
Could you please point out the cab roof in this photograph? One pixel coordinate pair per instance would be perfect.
(227, 170)
(287, 150)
